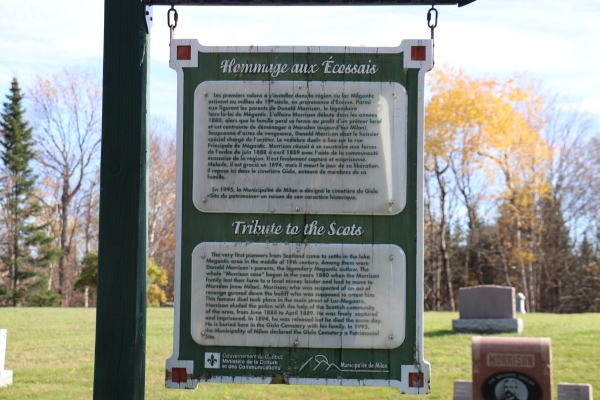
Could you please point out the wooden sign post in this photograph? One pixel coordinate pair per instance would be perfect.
(300, 215)
(119, 370)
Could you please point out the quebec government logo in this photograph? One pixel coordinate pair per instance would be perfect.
(212, 360)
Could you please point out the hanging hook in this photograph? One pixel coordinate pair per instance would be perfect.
(435, 21)
(432, 26)
(175, 18)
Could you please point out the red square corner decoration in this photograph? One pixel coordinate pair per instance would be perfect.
(415, 379)
(179, 375)
(184, 52)
(418, 53)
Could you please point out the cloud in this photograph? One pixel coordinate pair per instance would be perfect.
(550, 39)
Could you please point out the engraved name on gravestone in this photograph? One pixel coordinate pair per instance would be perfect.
(284, 295)
(297, 146)
(512, 368)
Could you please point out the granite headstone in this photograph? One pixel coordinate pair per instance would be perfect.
(487, 309)
(463, 390)
(509, 368)
(575, 391)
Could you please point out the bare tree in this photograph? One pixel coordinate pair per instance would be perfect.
(161, 199)
(570, 214)
(66, 112)
(90, 214)
(444, 222)
(525, 172)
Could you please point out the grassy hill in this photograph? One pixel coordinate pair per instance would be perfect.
(51, 351)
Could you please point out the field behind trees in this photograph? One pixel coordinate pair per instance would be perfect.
(51, 351)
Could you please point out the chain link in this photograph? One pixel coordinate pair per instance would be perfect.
(175, 19)
(433, 25)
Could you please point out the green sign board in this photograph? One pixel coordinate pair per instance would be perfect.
(300, 215)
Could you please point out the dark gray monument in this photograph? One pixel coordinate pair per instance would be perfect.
(575, 391)
(487, 309)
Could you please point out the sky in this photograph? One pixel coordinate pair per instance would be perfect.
(554, 42)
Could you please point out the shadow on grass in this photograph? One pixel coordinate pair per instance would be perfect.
(438, 333)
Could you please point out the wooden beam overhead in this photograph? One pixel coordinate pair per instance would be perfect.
(460, 3)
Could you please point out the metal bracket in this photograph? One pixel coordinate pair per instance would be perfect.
(148, 17)
(460, 3)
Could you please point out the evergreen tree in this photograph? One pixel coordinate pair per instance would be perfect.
(87, 281)
(26, 246)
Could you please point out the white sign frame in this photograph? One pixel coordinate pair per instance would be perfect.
(420, 367)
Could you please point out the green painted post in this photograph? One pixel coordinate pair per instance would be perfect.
(119, 369)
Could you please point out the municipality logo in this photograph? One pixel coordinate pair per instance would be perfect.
(212, 360)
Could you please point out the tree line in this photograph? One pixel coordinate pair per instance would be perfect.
(49, 192)
(511, 194)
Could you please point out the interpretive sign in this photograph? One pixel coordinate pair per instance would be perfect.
(313, 295)
(289, 146)
(299, 247)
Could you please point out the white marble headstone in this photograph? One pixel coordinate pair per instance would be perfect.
(6, 377)
(520, 300)
(2, 348)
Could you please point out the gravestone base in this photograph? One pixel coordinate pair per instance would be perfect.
(463, 390)
(487, 325)
(6, 378)
(574, 391)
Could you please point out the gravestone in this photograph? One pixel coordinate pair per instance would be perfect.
(508, 368)
(575, 391)
(6, 377)
(521, 303)
(487, 309)
(463, 390)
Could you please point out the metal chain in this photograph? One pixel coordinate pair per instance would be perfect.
(175, 19)
(432, 26)
(429, 24)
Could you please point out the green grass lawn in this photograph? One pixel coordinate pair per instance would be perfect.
(51, 352)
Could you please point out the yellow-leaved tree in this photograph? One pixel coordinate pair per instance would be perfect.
(484, 142)
(157, 279)
(161, 199)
